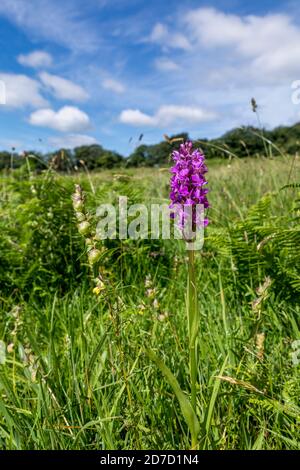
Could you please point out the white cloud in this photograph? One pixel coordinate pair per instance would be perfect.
(35, 59)
(268, 44)
(113, 85)
(135, 117)
(71, 141)
(159, 32)
(21, 91)
(66, 119)
(53, 20)
(162, 36)
(166, 115)
(62, 88)
(171, 113)
(166, 65)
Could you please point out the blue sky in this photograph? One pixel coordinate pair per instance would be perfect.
(78, 72)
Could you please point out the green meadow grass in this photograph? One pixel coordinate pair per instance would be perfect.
(73, 369)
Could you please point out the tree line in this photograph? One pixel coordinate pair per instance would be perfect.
(239, 142)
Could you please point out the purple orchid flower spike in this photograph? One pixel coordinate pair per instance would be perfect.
(188, 185)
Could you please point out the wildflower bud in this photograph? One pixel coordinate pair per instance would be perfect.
(99, 287)
(163, 316)
(10, 347)
(260, 339)
(94, 255)
(150, 292)
(80, 216)
(84, 228)
(148, 281)
(78, 199)
(141, 309)
(78, 204)
(89, 242)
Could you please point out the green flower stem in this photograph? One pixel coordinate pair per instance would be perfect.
(193, 323)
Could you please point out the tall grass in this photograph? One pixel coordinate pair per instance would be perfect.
(73, 368)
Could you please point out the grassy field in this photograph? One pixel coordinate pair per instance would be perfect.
(73, 368)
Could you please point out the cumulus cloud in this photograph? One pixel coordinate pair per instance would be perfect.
(21, 91)
(161, 35)
(113, 85)
(35, 59)
(71, 141)
(269, 44)
(135, 117)
(66, 119)
(62, 88)
(166, 115)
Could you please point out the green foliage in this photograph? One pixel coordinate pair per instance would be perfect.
(155, 155)
(9, 160)
(38, 253)
(94, 156)
(263, 245)
(73, 372)
(237, 143)
(185, 405)
(61, 160)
